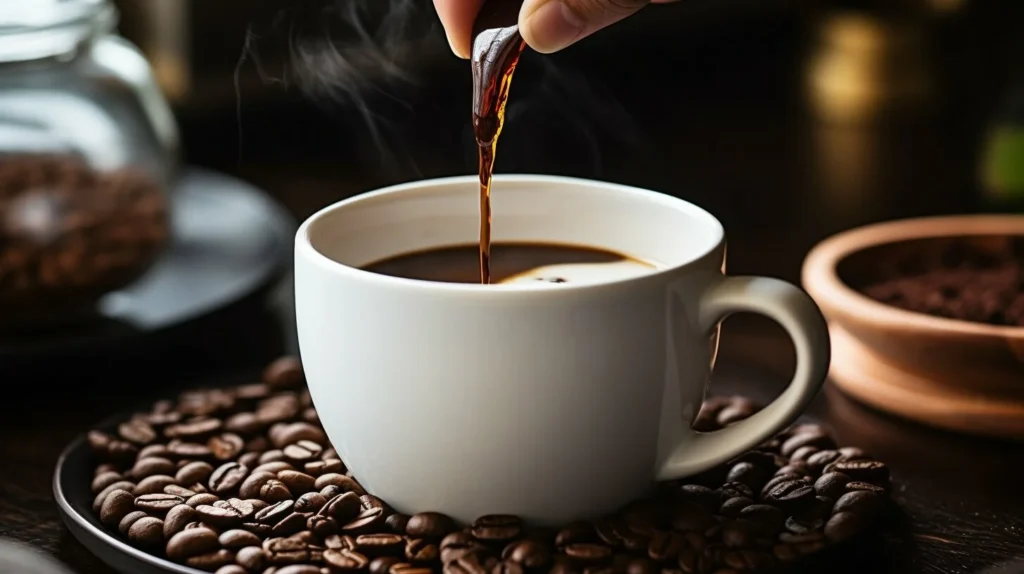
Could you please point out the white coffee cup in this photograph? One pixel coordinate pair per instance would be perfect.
(552, 402)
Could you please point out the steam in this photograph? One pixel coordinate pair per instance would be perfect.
(355, 55)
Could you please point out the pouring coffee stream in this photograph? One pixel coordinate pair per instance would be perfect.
(496, 48)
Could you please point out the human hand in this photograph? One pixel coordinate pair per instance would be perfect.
(546, 25)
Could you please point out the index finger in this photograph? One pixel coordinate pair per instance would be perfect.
(457, 17)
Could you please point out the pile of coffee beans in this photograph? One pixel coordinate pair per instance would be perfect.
(965, 283)
(71, 234)
(243, 480)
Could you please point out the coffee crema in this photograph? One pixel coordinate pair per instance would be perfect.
(514, 262)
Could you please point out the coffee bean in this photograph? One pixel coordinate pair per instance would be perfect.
(284, 373)
(734, 489)
(383, 564)
(429, 525)
(298, 569)
(318, 467)
(803, 526)
(862, 502)
(252, 558)
(227, 477)
(861, 470)
(291, 433)
(231, 569)
(137, 431)
(218, 516)
(283, 551)
(290, 524)
(831, 484)
(852, 453)
(178, 491)
(297, 482)
(588, 552)
(343, 507)
(150, 466)
(191, 542)
(528, 553)
(866, 486)
(211, 560)
(367, 519)
(322, 526)
(116, 506)
(176, 519)
(790, 493)
(801, 455)
(458, 544)
(346, 483)
(748, 474)
(128, 520)
(194, 472)
(733, 506)
(497, 527)
(815, 438)
(201, 498)
(339, 542)
(419, 550)
(275, 512)
(796, 468)
(701, 496)
(275, 491)
(844, 525)
(345, 559)
(821, 507)
(158, 503)
(274, 467)
(310, 502)
(104, 480)
(238, 539)
(766, 519)
(397, 523)
(193, 429)
(225, 446)
(380, 544)
(154, 451)
(189, 450)
(821, 459)
(253, 484)
(740, 409)
(302, 451)
(147, 532)
(154, 485)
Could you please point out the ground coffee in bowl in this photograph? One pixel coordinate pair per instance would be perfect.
(242, 480)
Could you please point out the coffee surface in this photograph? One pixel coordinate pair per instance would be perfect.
(514, 263)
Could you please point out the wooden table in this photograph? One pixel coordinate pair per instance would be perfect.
(732, 136)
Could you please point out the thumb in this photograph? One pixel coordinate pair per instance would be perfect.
(551, 25)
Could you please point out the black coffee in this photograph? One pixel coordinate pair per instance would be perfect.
(513, 263)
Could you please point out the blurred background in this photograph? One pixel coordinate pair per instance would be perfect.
(771, 113)
(788, 119)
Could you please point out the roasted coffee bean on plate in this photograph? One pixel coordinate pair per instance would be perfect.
(284, 503)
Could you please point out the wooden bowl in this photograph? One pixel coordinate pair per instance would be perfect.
(959, 375)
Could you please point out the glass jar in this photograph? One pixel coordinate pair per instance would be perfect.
(88, 150)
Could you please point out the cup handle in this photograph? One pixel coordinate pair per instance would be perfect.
(800, 317)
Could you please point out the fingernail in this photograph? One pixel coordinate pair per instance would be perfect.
(554, 26)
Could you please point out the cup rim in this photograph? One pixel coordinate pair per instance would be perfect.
(304, 245)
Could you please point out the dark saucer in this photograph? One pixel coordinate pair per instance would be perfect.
(230, 240)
